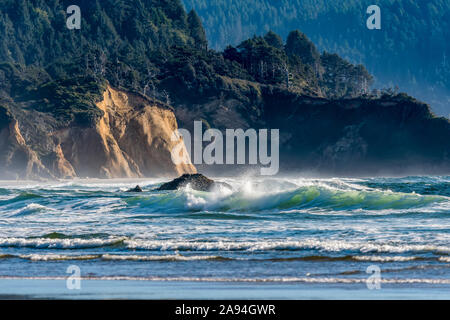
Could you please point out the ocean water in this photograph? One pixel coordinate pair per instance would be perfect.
(292, 231)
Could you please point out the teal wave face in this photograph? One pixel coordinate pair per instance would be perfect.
(275, 196)
(419, 185)
(22, 196)
(316, 197)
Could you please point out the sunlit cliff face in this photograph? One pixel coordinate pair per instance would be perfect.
(131, 140)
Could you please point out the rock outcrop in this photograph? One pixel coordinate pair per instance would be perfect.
(135, 189)
(132, 139)
(195, 181)
(17, 159)
(361, 136)
(389, 135)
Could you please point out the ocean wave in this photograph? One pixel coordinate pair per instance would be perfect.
(175, 257)
(26, 196)
(420, 185)
(178, 257)
(224, 245)
(385, 258)
(247, 280)
(56, 257)
(31, 209)
(45, 243)
(325, 258)
(113, 257)
(59, 235)
(305, 197)
(23, 196)
(7, 256)
(276, 245)
(249, 196)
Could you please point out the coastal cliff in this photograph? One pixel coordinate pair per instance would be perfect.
(366, 135)
(103, 101)
(17, 159)
(132, 139)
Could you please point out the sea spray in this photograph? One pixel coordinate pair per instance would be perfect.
(289, 229)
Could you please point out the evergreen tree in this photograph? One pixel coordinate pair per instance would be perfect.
(298, 44)
(196, 30)
(274, 40)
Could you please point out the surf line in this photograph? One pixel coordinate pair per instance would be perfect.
(234, 151)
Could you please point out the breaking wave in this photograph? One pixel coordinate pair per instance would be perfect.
(224, 245)
(263, 230)
(324, 280)
(301, 198)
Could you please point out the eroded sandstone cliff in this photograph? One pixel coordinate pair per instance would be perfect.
(132, 139)
(17, 159)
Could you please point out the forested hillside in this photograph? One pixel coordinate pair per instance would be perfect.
(412, 49)
(134, 55)
(152, 47)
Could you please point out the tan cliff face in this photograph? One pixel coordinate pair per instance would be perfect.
(131, 140)
(17, 160)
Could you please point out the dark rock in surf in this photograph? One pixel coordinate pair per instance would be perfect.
(196, 181)
(135, 189)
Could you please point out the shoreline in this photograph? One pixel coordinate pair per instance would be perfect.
(163, 290)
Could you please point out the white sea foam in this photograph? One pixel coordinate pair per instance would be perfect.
(58, 243)
(113, 257)
(264, 245)
(250, 280)
(56, 257)
(225, 245)
(251, 221)
(31, 208)
(179, 257)
(158, 257)
(384, 258)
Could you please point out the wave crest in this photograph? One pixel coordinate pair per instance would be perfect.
(304, 197)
